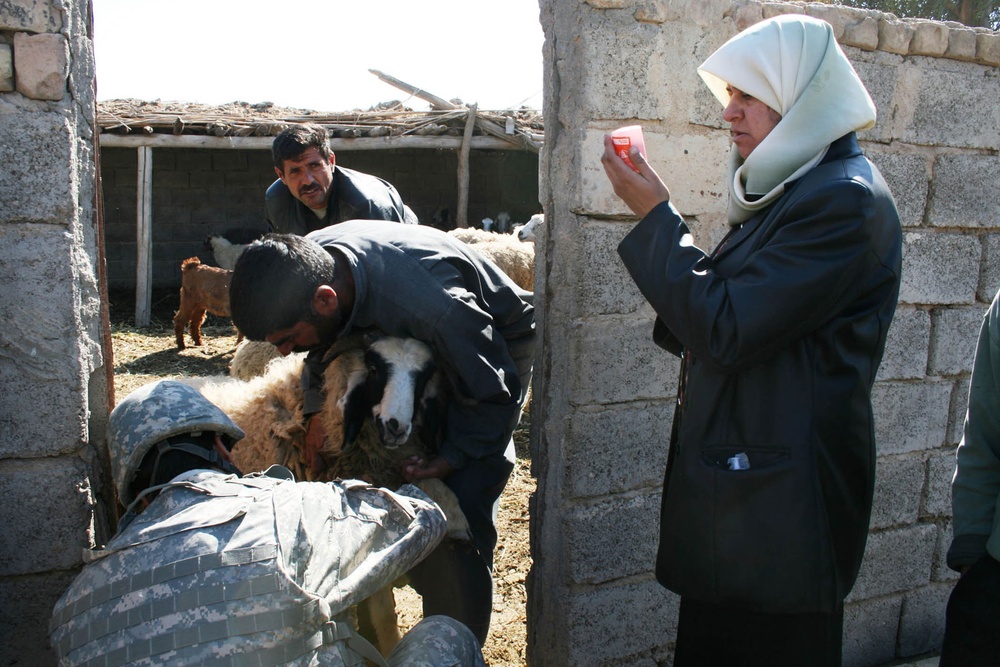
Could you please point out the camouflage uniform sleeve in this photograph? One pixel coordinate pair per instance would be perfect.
(355, 539)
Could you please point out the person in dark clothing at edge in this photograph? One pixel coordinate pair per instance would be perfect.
(972, 618)
(305, 293)
(771, 467)
(312, 192)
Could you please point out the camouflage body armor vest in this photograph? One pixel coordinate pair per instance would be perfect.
(199, 578)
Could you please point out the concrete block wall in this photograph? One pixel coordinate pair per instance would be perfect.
(603, 394)
(53, 389)
(197, 192)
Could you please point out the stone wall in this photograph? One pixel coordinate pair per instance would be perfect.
(603, 393)
(197, 192)
(53, 388)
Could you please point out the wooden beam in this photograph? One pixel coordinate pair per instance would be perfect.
(264, 143)
(144, 237)
(462, 214)
(434, 100)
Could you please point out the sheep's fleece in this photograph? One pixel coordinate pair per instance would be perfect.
(269, 410)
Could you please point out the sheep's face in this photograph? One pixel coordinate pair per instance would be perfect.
(528, 231)
(398, 373)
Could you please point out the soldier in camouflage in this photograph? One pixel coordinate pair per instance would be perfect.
(211, 568)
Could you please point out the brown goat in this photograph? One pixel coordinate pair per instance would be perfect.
(204, 289)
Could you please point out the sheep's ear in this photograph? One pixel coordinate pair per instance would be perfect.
(355, 413)
(372, 336)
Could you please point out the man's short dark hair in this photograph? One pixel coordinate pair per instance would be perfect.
(292, 142)
(274, 281)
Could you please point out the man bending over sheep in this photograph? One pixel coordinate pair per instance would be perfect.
(209, 567)
(312, 191)
(302, 294)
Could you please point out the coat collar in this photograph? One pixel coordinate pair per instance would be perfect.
(843, 148)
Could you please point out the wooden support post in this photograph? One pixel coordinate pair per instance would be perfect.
(144, 238)
(462, 214)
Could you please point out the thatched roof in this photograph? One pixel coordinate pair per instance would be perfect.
(522, 128)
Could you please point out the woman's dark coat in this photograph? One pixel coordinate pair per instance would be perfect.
(782, 330)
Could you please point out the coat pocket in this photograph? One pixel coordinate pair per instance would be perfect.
(754, 538)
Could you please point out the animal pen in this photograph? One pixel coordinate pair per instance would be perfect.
(174, 173)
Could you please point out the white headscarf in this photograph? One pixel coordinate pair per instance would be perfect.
(793, 64)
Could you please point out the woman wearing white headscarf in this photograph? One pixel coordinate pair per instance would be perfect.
(781, 329)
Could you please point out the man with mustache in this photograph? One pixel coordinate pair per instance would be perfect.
(312, 192)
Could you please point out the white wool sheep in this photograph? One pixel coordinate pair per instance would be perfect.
(472, 234)
(251, 359)
(514, 258)
(225, 251)
(487, 224)
(529, 230)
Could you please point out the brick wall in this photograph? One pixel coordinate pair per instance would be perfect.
(603, 393)
(53, 380)
(197, 192)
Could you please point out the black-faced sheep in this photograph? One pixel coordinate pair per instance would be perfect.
(225, 251)
(204, 289)
(503, 222)
(384, 402)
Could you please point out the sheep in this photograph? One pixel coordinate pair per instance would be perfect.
(384, 401)
(503, 222)
(225, 251)
(472, 234)
(204, 289)
(487, 224)
(529, 230)
(251, 359)
(441, 218)
(514, 258)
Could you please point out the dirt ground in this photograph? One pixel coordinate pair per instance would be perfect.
(150, 353)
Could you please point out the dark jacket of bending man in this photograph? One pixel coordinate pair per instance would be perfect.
(303, 294)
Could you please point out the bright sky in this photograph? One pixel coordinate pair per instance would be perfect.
(315, 54)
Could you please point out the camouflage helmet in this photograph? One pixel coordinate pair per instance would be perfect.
(154, 413)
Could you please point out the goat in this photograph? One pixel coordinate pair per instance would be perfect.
(384, 402)
(204, 289)
(225, 251)
(529, 230)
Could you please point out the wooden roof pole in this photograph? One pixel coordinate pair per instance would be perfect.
(462, 214)
(433, 100)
